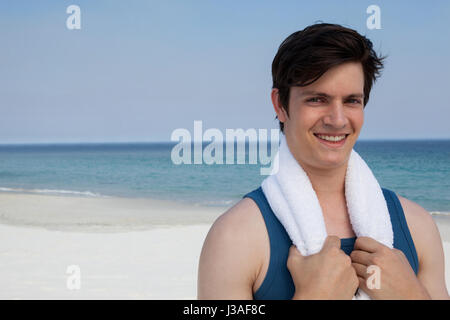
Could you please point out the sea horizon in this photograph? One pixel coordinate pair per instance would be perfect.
(417, 169)
(30, 143)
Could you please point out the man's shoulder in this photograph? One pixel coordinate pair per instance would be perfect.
(429, 247)
(243, 220)
(235, 247)
(422, 226)
(241, 232)
(414, 212)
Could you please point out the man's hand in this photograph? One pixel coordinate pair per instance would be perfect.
(398, 280)
(324, 275)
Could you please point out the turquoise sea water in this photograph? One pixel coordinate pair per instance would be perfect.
(418, 170)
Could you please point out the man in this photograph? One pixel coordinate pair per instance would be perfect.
(322, 77)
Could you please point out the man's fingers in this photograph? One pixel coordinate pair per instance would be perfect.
(332, 241)
(367, 244)
(361, 257)
(361, 270)
(363, 284)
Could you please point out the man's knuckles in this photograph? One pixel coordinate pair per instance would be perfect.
(347, 260)
(332, 242)
(333, 251)
(377, 259)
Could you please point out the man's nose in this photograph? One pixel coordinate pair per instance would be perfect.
(335, 116)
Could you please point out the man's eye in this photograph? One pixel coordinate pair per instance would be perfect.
(315, 99)
(354, 101)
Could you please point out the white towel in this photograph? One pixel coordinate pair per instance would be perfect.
(295, 203)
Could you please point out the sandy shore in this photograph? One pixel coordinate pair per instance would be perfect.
(103, 214)
(124, 248)
(156, 264)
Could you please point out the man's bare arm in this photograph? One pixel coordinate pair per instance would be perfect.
(230, 259)
(429, 248)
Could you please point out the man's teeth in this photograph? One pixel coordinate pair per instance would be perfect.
(331, 138)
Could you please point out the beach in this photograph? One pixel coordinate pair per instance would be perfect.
(121, 248)
(124, 248)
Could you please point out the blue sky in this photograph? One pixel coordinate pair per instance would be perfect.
(137, 70)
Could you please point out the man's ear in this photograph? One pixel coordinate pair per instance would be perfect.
(279, 110)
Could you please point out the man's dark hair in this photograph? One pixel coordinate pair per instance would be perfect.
(307, 54)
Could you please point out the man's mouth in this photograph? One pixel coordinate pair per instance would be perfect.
(335, 140)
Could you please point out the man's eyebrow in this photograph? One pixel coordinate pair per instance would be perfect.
(322, 94)
(356, 95)
(314, 93)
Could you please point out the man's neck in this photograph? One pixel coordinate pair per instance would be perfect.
(329, 186)
(327, 183)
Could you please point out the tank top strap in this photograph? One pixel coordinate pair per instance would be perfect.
(277, 283)
(402, 235)
(273, 225)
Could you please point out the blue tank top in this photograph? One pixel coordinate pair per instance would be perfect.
(278, 283)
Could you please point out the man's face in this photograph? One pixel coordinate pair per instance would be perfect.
(329, 108)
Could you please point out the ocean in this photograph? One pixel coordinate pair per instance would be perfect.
(418, 170)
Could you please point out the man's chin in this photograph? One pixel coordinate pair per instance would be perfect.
(334, 159)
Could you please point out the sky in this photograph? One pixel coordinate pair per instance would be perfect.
(138, 70)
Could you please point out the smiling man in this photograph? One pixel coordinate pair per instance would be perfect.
(322, 78)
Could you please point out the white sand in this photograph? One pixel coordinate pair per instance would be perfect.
(125, 248)
(155, 260)
(156, 264)
(99, 214)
